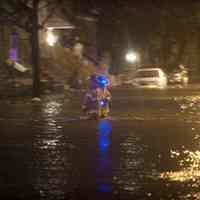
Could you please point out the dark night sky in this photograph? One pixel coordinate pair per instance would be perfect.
(143, 5)
(139, 22)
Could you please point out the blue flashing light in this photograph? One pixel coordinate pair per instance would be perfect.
(103, 103)
(103, 81)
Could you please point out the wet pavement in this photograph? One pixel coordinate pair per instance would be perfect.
(148, 149)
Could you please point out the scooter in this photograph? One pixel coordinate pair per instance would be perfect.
(104, 108)
(100, 110)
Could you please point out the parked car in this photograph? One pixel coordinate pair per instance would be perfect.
(150, 78)
(179, 77)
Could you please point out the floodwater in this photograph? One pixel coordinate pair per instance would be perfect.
(148, 149)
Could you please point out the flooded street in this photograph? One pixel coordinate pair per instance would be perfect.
(148, 149)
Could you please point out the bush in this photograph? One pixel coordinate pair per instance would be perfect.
(63, 65)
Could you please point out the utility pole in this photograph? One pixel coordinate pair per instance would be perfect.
(35, 50)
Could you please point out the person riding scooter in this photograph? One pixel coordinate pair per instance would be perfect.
(104, 96)
(97, 99)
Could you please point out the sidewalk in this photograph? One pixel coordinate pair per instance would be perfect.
(22, 88)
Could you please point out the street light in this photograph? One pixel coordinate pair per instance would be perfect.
(51, 37)
(131, 57)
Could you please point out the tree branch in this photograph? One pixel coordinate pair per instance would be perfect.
(57, 3)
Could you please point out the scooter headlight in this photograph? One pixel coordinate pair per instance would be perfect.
(103, 103)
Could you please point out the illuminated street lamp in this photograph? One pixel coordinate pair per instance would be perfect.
(131, 57)
(51, 37)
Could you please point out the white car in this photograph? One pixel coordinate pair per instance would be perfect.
(150, 78)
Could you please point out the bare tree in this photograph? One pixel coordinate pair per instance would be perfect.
(25, 15)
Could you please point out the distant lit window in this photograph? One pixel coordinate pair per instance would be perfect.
(13, 51)
(13, 54)
(51, 38)
(146, 74)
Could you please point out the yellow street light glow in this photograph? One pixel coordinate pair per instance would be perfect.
(131, 57)
(51, 38)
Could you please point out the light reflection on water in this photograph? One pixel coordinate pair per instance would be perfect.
(53, 165)
(52, 108)
(182, 108)
(131, 170)
(104, 170)
(190, 167)
(188, 175)
(50, 163)
(189, 108)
